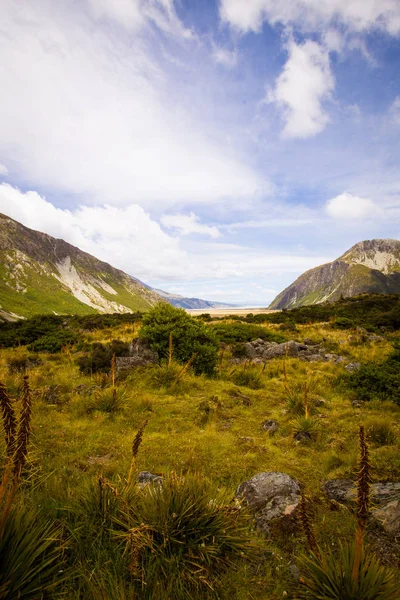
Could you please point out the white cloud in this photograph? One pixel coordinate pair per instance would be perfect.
(188, 224)
(102, 120)
(134, 14)
(347, 206)
(225, 57)
(395, 111)
(3, 170)
(125, 237)
(305, 82)
(354, 15)
(129, 239)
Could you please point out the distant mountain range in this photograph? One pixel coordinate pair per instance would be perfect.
(40, 274)
(371, 266)
(182, 302)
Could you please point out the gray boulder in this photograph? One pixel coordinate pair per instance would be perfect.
(145, 477)
(140, 355)
(272, 497)
(270, 427)
(344, 491)
(260, 351)
(389, 517)
(385, 498)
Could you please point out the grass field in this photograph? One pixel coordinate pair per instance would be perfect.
(209, 428)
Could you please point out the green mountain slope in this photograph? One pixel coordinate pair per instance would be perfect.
(371, 266)
(40, 274)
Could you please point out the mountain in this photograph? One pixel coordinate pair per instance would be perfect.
(182, 302)
(371, 266)
(40, 274)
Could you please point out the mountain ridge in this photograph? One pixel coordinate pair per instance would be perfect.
(369, 266)
(42, 274)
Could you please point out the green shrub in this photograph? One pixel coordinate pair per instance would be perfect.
(54, 342)
(181, 536)
(329, 577)
(231, 333)
(343, 323)
(19, 364)
(99, 359)
(380, 432)
(378, 381)
(189, 337)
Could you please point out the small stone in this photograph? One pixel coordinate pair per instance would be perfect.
(145, 477)
(302, 436)
(353, 366)
(270, 427)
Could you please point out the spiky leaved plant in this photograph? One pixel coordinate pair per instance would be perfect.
(30, 547)
(353, 574)
(9, 419)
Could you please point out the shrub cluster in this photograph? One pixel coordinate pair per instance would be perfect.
(380, 381)
(189, 337)
(51, 327)
(98, 360)
(231, 333)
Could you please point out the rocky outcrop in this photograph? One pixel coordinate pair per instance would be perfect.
(272, 497)
(385, 498)
(140, 355)
(371, 266)
(260, 351)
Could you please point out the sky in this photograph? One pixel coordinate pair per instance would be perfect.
(211, 148)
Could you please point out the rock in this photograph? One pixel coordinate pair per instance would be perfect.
(376, 338)
(389, 517)
(270, 427)
(334, 358)
(310, 342)
(140, 355)
(353, 366)
(140, 347)
(271, 497)
(319, 402)
(302, 436)
(145, 477)
(344, 491)
(260, 350)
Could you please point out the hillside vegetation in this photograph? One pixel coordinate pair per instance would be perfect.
(71, 488)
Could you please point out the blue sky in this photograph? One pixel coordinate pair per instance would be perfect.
(212, 148)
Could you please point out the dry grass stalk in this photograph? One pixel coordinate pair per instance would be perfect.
(170, 349)
(363, 501)
(9, 419)
(305, 521)
(184, 369)
(135, 448)
(306, 399)
(138, 539)
(113, 370)
(24, 430)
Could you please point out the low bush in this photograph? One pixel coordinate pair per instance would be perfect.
(231, 333)
(99, 359)
(378, 381)
(54, 342)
